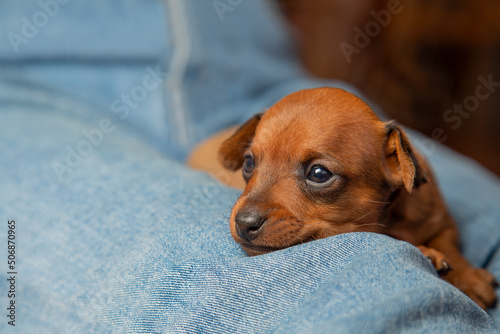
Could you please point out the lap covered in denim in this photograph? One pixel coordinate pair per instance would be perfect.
(132, 241)
(114, 234)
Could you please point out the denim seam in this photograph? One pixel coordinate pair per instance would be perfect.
(175, 12)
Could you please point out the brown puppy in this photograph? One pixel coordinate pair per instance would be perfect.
(320, 163)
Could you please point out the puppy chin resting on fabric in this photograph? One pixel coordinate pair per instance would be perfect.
(319, 163)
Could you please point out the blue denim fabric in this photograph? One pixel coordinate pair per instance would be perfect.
(132, 241)
(213, 72)
(129, 240)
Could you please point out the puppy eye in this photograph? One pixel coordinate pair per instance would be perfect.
(248, 166)
(319, 174)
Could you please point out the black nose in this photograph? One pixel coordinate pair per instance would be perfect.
(248, 223)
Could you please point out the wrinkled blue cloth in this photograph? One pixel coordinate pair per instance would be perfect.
(115, 234)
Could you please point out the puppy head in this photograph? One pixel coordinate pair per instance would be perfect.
(317, 163)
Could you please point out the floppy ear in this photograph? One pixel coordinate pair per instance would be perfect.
(232, 149)
(402, 163)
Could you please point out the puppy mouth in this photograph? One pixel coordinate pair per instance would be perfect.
(252, 249)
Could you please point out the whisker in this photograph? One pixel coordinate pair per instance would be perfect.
(363, 216)
(312, 222)
(379, 202)
(371, 224)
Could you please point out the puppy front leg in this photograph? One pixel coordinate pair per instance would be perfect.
(477, 283)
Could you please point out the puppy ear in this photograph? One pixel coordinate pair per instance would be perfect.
(232, 149)
(403, 164)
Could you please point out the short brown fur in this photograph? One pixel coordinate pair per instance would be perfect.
(379, 183)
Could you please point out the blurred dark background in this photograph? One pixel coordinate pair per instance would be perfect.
(419, 60)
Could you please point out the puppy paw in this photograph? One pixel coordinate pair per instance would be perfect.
(438, 260)
(478, 284)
